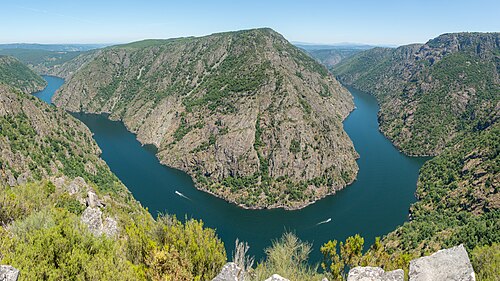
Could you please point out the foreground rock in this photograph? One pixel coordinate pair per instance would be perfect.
(451, 264)
(8, 273)
(374, 274)
(229, 272)
(92, 217)
(276, 277)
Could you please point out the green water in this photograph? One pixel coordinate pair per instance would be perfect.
(373, 205)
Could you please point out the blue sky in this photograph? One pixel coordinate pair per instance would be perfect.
(316, 21)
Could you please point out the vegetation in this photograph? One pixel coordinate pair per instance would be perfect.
(44, 238)
(41, 229)
(43, 150)
(287, 257)
(486, 262)
(336, 264)
(16, 74)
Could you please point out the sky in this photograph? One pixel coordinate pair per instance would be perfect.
(378, 22)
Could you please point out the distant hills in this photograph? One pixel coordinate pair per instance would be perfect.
(54, 47)
(346, 45)
(330, 55)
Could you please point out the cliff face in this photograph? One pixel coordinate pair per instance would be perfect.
(252, 118)
(37, 140)
(15, 74)
(431, 93)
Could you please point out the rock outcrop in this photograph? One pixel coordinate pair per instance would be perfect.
(229, 272)
(374, 274)
(253, 119)
(450, 264)
(276, 277)
(8, 273)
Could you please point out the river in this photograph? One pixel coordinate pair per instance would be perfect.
(375, 204)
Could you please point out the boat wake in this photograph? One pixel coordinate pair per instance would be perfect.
(325, 221)
(182, 195)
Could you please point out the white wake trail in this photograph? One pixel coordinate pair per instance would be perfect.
(182, 195)
(325, 221)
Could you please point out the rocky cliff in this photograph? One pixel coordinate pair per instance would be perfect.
(15, 74)
(252, 118)
(431, 93)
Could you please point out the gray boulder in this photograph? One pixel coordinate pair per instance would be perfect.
(8, 273)
(445, 265)
(229, 272)
(374, 274)
(92, 217)
(76, 185)
(110, 227)
(276, 277)
(92, 199)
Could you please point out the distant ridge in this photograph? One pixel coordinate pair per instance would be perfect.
(53, 47)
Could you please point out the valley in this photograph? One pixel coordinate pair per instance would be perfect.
(160, 159)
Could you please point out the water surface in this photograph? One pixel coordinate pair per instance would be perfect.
(373, 205)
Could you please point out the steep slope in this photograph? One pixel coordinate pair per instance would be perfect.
(16, 74)
(431, 93)
(252, 118)
(64, 215)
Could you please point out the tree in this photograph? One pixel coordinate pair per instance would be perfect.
(350, 255)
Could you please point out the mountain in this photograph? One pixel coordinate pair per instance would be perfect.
(251, 117)
(16, 74)
(65, 215)
(430, 93)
